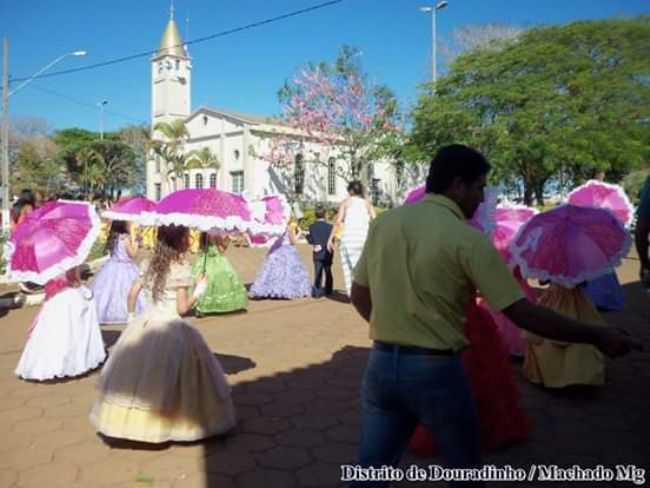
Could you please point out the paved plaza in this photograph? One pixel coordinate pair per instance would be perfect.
(295, 368)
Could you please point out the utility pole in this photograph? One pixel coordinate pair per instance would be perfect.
(5, 135)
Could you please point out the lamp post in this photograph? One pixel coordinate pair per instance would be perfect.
(101, 106)
(5, 120)
(433, 8)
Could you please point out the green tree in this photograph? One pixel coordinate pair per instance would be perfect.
(36, 166)
(203, 158)
(138, 138)
(97, 166)
(171, 147)
(569, 100)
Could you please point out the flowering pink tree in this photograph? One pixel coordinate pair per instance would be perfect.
(332, 110)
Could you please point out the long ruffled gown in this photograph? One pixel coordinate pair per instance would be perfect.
(557, 364)
(513, 336)
(225, 292)
(283, 274)
(161, 382)
(502, 420)
(112, 285)
(65, 339)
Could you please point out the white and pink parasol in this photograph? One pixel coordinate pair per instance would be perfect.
(51, 240)
(598, 194)
(569, 245)
(129, 209)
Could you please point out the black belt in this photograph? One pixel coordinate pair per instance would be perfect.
(386, 347)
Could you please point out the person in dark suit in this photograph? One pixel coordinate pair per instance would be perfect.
(319, 233)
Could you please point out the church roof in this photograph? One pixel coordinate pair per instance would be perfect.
(171, 42)
(253, 119)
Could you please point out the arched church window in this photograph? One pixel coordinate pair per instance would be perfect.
(299, 175)
(331, 176)
(236, 154)
(178, 65)
(198, 180)
(213, 180)
(205, 120)
(187, 180)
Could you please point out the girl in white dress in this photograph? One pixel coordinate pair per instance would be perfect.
(161, 382)
(65, 339)
(355, 214)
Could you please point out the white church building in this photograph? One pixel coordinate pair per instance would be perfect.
(239, 140)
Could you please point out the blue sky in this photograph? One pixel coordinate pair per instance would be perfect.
(243, 71)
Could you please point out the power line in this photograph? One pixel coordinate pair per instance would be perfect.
(195, 41)
(87, 105)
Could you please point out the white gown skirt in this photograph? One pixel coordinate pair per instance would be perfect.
(65, 340)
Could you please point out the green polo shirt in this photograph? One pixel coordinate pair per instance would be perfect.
(422, 264)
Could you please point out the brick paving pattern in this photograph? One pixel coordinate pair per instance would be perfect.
(296, 368)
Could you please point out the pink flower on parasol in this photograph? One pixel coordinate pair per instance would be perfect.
(129, 208)
(207, 209)
(483, 218)
(509, 219)
(51, 240)
(597, 194)
(271, 210)
(569, 245)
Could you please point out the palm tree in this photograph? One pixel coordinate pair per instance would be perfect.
(203, 158)
(93, 168)
(171, 148)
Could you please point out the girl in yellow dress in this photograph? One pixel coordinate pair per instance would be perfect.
(162, 382)
(556, 364)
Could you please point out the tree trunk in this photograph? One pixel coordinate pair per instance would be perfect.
(539, 193)
(528, 194)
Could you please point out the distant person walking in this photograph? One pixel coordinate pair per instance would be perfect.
(355, 214)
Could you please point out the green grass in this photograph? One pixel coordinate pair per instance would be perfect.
(143, 478)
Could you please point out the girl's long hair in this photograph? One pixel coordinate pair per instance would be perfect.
(118, 227)
(171, 244)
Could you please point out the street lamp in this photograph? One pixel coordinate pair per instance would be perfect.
(101, 106)
(433, 9)
(5, 120)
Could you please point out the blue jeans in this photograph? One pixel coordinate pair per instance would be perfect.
(400, 391)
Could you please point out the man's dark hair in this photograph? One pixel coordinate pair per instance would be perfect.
(356, 188)
(455, 161)
(319, 212)
(28, 196)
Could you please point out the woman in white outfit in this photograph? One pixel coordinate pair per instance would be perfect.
(65, 339)
(355, 214)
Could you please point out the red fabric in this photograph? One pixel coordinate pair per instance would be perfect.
(487, 363)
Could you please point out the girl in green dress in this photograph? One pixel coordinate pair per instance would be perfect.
(225, 292)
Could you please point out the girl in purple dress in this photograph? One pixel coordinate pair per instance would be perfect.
(113, 282)
(283, 274)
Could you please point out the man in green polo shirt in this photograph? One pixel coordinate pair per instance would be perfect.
(420, 267)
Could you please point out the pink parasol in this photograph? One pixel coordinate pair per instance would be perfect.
(51, 240)
(415, 194)
(207, 209)
(509, 219)
(271, 210)
(483, 218)
(129, 208)
(569, 245)
(597, 194)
